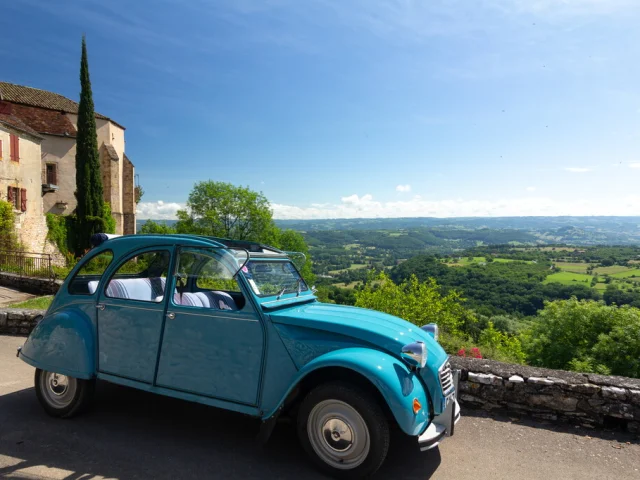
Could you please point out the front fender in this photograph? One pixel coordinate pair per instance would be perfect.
(395, 382)
(63, 343)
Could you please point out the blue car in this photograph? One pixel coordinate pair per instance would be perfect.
(232, 324)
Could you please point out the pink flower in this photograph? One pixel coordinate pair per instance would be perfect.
(475, 352)
(462, 353)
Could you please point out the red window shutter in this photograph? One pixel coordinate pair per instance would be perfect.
(0, 149)
(15, 147)
(23, 199)
(10, 194)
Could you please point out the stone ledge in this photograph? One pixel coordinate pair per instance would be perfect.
(19, 321)
(554, 395)
(35, 285)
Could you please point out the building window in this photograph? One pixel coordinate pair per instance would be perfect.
(52, 174)
(14, 143)
(0, 149)
(18, 198)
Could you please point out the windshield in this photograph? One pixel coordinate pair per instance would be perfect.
(270, 277)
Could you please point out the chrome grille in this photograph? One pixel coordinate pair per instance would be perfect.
(446, 378)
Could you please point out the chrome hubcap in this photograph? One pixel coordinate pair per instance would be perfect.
(59, 390)
(338, 434)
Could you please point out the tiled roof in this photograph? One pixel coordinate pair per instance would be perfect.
(52, 122)
(35, 97)
(13, 121)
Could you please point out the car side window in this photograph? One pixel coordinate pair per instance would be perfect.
(202, 280)
(142, 277)
(86, 280)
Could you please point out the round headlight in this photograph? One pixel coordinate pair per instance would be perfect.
(431, 329)
(415, 354)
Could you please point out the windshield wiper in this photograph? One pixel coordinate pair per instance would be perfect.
(284, 289)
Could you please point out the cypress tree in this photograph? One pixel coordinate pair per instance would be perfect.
(89, 192)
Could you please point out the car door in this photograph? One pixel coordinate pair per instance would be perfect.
(213, 337)
(130, 315)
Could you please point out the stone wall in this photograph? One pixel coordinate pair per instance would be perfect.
(36, 286)
(589, 400)
(18, 321)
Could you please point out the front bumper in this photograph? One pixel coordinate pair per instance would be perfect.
(443, 425)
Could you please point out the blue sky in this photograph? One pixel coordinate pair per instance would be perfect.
(358, 108)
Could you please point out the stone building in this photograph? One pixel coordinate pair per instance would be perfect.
(53, 119)
(20, 171)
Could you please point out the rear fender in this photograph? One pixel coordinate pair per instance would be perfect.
(63, 342)
(390, 376)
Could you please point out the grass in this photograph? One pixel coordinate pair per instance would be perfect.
(38, 303)
(568, 278)
(610, 270)
(354, 266)
(349, 286)
(572, 267)
(627, 273)
(464, 261)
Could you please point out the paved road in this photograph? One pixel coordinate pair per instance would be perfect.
(9, 296)
(134, 435)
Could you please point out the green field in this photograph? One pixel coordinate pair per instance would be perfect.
(626, 274)
(572, 267)
(615, 269)
(464, 261)
(569, 278)
(354, 266)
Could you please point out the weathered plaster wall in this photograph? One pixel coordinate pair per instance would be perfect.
(128, 198)
(31, 226)
(60, 151)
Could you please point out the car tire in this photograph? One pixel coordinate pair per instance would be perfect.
(62, 396)
(343, 430)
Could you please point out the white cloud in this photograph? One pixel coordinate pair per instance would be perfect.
(403, 188)
(634, 165)
(366, 206)
(578, 169)
(158, 210)
(531, 189)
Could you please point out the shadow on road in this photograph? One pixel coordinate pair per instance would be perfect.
(133, 434)
(612, 434)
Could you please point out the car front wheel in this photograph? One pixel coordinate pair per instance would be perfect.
(344, 430)
(60, 395)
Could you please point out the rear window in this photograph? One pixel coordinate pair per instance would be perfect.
(86, 280)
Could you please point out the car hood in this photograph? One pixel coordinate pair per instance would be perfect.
(378, 329)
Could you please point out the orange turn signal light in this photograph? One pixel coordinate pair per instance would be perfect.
(416, 406)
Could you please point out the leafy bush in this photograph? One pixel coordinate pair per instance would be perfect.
(417, 302)
(586, 336)
(8, 237)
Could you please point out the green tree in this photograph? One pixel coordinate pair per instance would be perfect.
(292, 241)
(586, 335)
(158, 228)
(500, 346)
(8, 237)
(417, 302)
(89, 193)
(223, 210)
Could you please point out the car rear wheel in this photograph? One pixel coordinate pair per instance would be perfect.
(344, 430)
(61, 395)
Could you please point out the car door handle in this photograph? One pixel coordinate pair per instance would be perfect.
(101, 306)
(171, 315)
